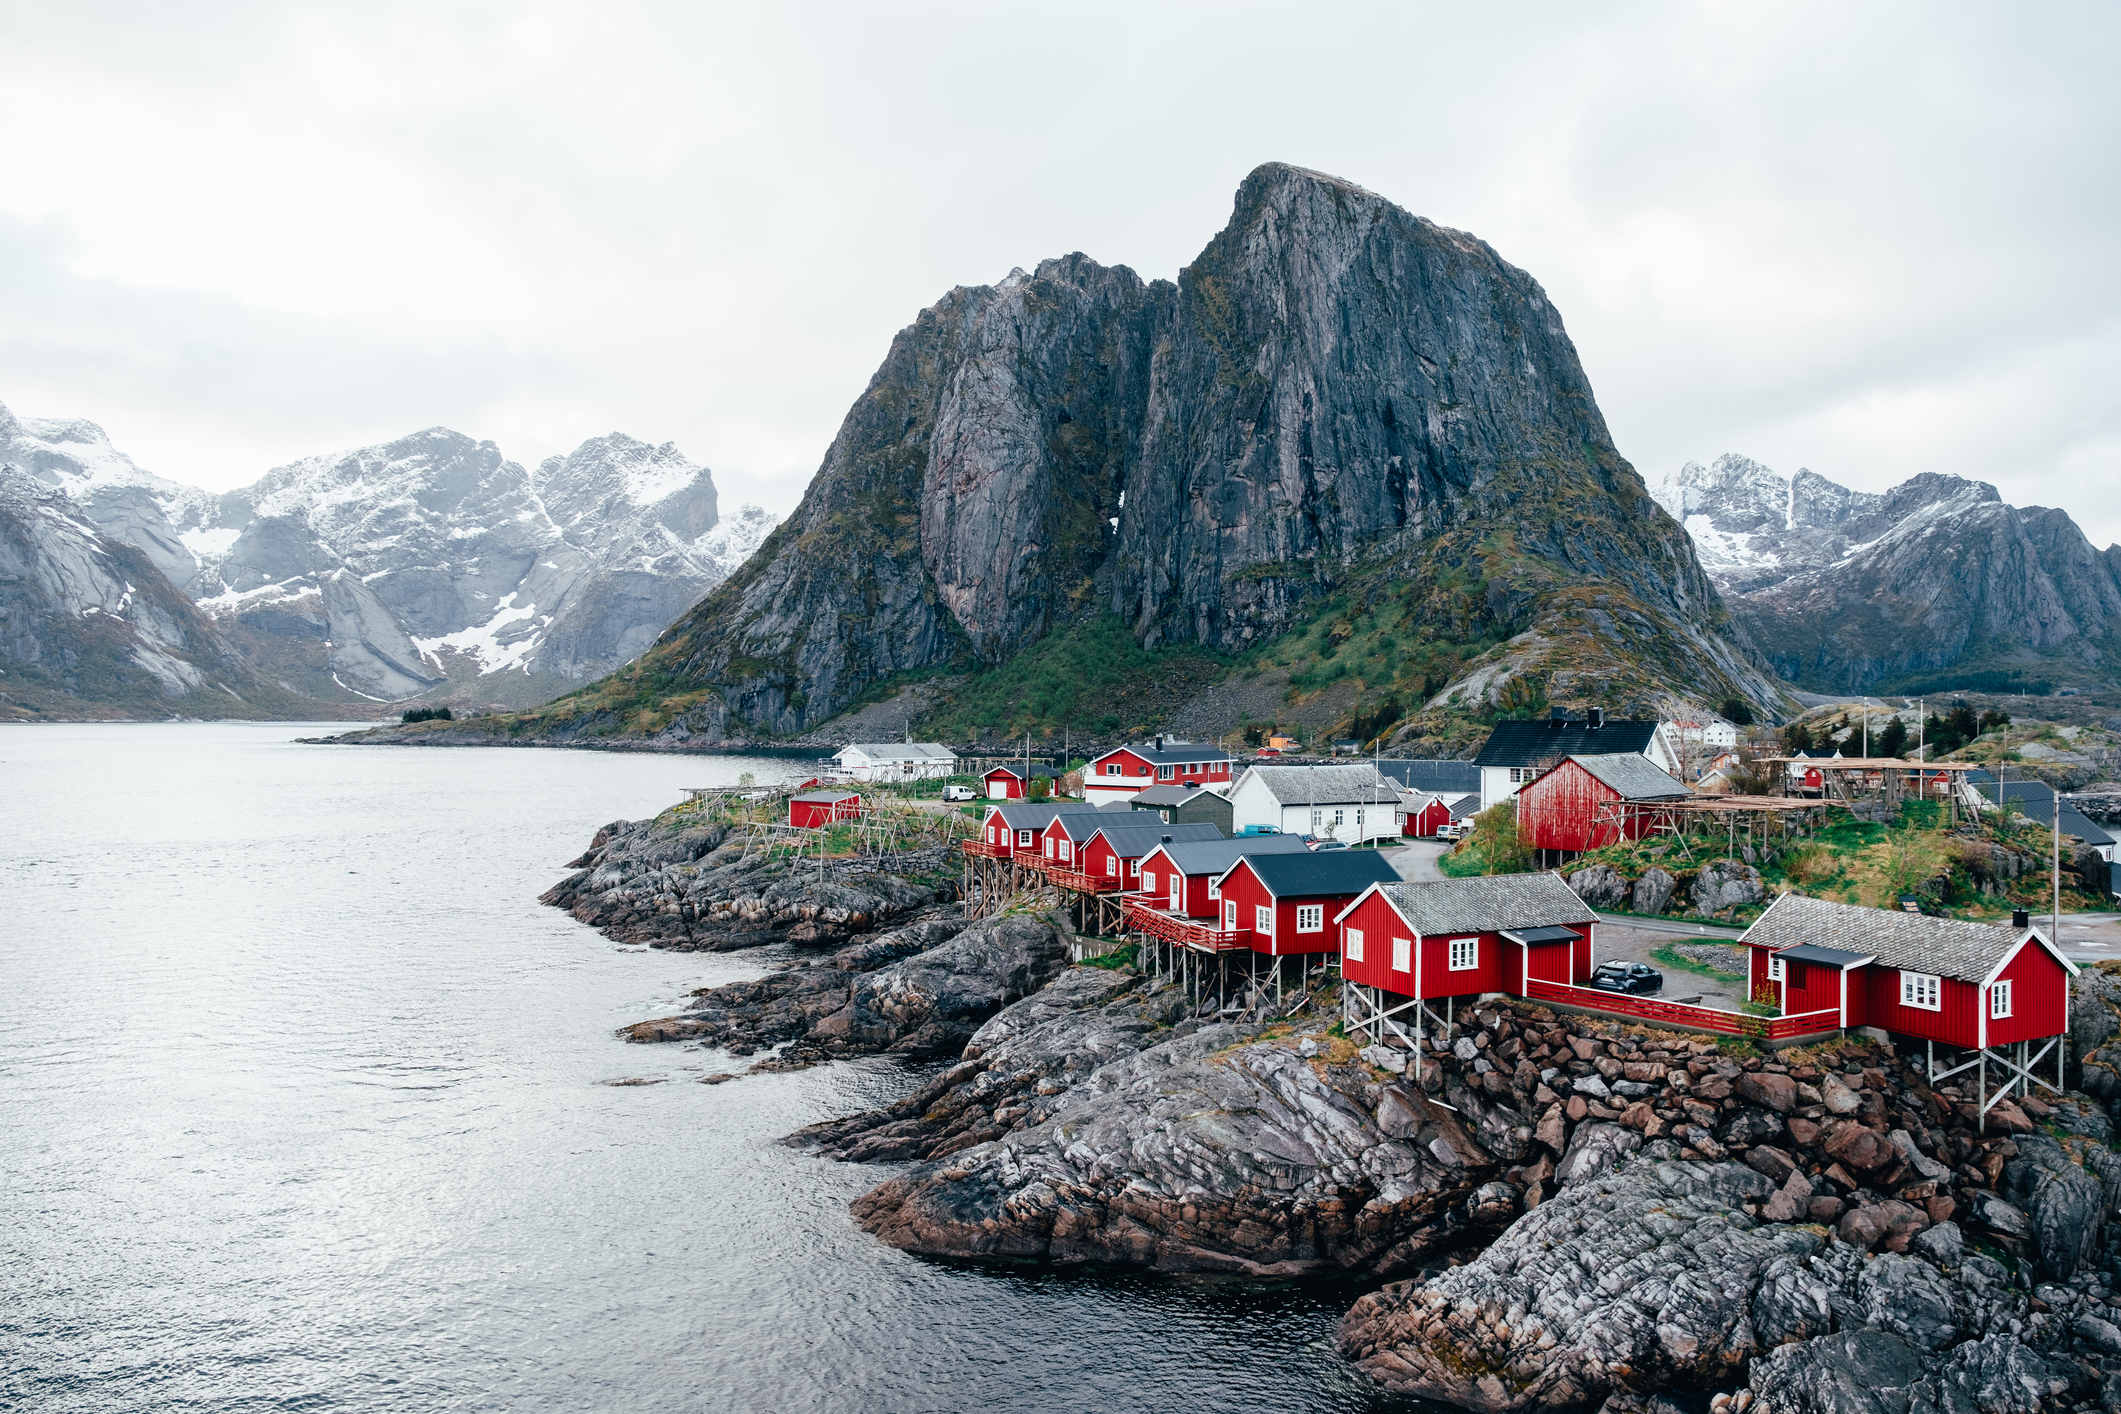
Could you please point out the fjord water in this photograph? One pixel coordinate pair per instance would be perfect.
(306, 1103)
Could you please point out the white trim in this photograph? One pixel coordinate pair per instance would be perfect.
(1777, 969)
(1263, 919)
(1999, 1000)
(1936, 990)
(1413, 956)
(1317, 911)
(1468, 966)
(1351, 943)
(2031, 935)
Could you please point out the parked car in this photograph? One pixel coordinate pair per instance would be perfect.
(1453, 829)
(1318, 844)
(1638, 978)
(960, 793)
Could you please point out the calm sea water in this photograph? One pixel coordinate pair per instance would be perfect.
(305, 1103)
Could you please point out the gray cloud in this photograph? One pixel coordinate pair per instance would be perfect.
(1870, 240)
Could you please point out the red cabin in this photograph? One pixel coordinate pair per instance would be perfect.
(1183, 877)
(1009, 830)
(1973, 986)
(1065, 835)
(1466, 937)
(814, 808)
(1005, 783)
(1284, 904)
(1575, 805)
(1113, 854)
(1124, 770)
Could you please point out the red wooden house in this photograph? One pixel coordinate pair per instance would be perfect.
(1283, 905)
(1124, 770)
(811, 809)
(1010, 830)
(1113, 854)
(1576, 804)
(1459, 938)
(1014, 782)
(1182, 877)
(1971, 986)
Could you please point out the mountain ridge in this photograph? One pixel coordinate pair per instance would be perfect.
(1934, 580)
(1335, 394)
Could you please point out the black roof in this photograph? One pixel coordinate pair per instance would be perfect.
(1818, 952)
(1445, 778)
(1131, 841)
(1335, 871)
(1540, 743)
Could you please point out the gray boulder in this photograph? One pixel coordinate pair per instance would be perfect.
(1600, 886)
(1652, 891)
(1724, 885)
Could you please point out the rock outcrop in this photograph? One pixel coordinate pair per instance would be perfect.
(1335, 393)
(700, 888)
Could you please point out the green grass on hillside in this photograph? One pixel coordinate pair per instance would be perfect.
(1090, 678)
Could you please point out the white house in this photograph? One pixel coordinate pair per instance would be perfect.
(1347, 803)
(1715, 733)
(896, 761)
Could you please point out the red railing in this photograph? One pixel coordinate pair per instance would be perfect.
(1076, 879)
(985, 850)
(1187, 932)
(1701, 1018)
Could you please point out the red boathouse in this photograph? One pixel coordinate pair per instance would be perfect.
(814, 808)
(1573, 806)
(1403, 945)
(1283, 905)
(1113, 854)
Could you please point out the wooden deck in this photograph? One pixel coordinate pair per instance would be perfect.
(1193, 933)
(1684, 1014)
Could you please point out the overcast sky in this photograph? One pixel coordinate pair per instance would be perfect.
(1871, 240)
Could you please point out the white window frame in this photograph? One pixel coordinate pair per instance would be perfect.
(1066, 849)
(1111, 866)
(1402, 954)
(1229, 915)
(1023, 839)
(1471, 954)
(1351, 943)
(1310, 918)
(1263, 919)
(1999, 1000)
(1318, 819)
(1914, 986)
(1777, 970)
(1164, 773)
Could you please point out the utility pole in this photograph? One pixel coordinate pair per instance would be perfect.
(2056, 835)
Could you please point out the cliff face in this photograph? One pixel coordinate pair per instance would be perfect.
(1847, 590)
(1336, 393)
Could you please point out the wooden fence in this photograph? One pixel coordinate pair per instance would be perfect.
(1698, 1018)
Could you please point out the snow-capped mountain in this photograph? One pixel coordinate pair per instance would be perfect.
(1850, 590)
(428, 567)
(87, 619)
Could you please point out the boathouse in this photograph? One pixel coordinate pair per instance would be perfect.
(1404, 945)
(1014, 782)
(1125, 770)
(1570, 807)
(1182, 877)
(1010, 830)
(896, 760)
(1515, 753)
(1997, 991)
(1284, 904)
(1113, 854)
(812, 809)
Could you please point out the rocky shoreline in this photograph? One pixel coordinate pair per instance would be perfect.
(1564, 1212)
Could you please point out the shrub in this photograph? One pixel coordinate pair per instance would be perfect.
(427, 714)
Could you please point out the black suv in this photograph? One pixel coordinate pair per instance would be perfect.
(1637, 977)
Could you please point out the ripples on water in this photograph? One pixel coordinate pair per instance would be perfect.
(307, 1106)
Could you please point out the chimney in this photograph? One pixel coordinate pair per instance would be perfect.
(1163, 839)
(1555, 717)
(2020, 919)
(1597, 718)
(1159, 741)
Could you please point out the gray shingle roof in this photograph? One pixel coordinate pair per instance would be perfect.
(1162, 795)
(1635, 776)
(1466, 806)
(1133, 841)
(1944, 946)
(1025, 815)
(1489, 904)
(902, 750)
(1436, 777)
(1326, 785)
(1215, 856)
(1308, 875)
